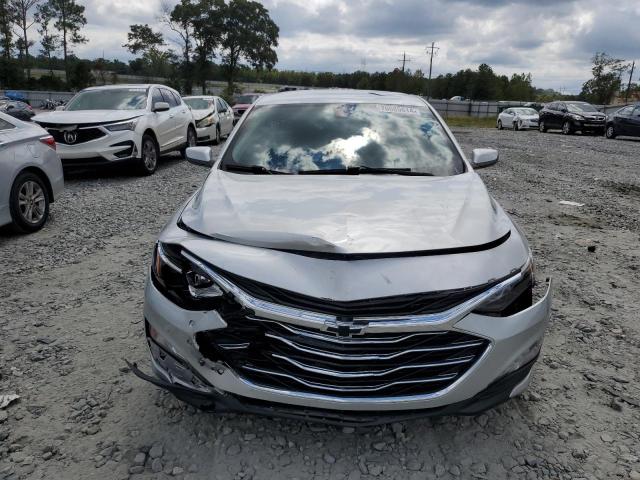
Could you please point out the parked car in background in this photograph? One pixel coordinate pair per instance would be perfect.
(571, 117)
(31, 176)
(17, 109)
(349, 265)
(242, 103)
(121, 123)
(213, 116)
(457, 98)
(518, 118)
(625, 121)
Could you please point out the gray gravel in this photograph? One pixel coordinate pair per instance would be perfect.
(71, 310)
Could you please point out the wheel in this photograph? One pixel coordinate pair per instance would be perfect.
(192, 140)
(566, 128)
(515, 126)
(29, 203)
(500, 125)
(610, 132)
(149, 157)
(218, 138)
(542, 127)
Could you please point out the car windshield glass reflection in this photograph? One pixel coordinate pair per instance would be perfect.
(246, 99)
(581, 107)
(116, 99)
(198, 103)
(335, 137)
(526, 111)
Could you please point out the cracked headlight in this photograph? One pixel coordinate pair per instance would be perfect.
(122, 126)
(513, 297)
(206, 121)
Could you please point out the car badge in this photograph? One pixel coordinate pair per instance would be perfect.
(71, 137)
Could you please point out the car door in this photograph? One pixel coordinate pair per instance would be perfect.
(174, 136)
(622, 121)
(226, 117)
(183, 118)
(634, 122)
(163, 121)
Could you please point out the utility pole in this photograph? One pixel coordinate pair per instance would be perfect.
(626, 95)
(431, 51)
(404, 60)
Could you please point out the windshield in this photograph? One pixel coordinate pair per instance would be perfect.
(316, 137)
(581, 107)
(199, 103)
(246, 99)
(111, 99)
(526, 111)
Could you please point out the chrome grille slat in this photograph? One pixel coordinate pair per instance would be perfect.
(352, 389)
(371, 373)
(360, 357)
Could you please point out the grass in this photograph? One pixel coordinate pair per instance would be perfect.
(489, 122)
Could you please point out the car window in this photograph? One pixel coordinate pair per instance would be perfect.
(109, 99)
(221, 108)
(178, 98)
(198, 103)
(581, 107)
(315, 137)
(507, 111)
(4, 125)
(156, 97)
(636, 112)
(225, 104)
(169, 97)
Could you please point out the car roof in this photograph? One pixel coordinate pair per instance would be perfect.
(204, 97)
(128, 85)
(340, 96)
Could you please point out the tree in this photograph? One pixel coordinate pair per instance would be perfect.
(208, 27)
(180, 21)
(606, 81)
(49, 41)
(142, 38)
(69, 17)
(81, 76)
(22, 18)
(6, 19)
(250, 35)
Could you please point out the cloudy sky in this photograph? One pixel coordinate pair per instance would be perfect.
(552, 39)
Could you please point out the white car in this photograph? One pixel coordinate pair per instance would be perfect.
(213, 116)
(518, 118)
(31, 174)
(116, 123)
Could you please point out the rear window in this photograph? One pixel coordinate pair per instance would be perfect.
(4, 125)
(308, 137)
(198, 103)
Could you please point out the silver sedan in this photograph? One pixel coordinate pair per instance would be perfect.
(31, 174)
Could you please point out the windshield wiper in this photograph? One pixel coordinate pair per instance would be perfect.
(364, 169)
(255, 169)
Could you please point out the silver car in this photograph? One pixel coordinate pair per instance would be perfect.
(30, 174)
(343, 262)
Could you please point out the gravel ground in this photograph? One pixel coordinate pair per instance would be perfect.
(71, 310)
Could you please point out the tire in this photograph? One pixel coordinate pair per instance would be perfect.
(149, 155)
(499, 126)
(192, 141)
(542, 127)
(610, 132)
(29, 203)
(566, 128)
(218, 138)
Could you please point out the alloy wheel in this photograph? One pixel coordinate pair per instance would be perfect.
(610, 132)
(566, 128)
(31, 202)
(149, 155)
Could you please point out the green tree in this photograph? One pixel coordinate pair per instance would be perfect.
(69, 20)
(606, 82)
(6, 35)
(81, 76)
(249, 35)
(49, 40)
(208, 28)
(180, 20)
(24, 20)
(141, 38)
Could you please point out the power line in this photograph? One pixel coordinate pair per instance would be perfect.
(626, 95)
(404, 60)
(431, 51)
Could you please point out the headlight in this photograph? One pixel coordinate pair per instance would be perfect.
(183, 281)
(576, 117)
(119, 127)
(514, 297)
(206, 121)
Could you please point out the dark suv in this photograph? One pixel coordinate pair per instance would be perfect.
(625, 121)
(571, 117)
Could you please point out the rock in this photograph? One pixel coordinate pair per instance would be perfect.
(633, 475)
(47, 455)
(348, 429)
(3, 416)
(249, 436)
(508, 462)
(193, 468)
(177, 471)
(439, 470)
(140, 458)
(156, 450)
(374, 469)
(479, 468)
(414, 465)
(330, 459)
(156, 465)
(234, 449)
(482, 420)
(136, 469)
(606, 438)
(379, 446)
(454, 470)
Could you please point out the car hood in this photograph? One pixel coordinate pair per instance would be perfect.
(334, 214)
(87, 116)
(201, 114)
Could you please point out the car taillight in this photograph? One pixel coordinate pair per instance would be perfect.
(49, 141)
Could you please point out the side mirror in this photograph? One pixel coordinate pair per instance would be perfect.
(161, 107)
(202, 156)
(10, 107)
(484, 157)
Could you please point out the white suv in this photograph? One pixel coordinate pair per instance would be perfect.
(103, 125)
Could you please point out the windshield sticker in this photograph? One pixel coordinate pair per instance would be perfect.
(403, 109)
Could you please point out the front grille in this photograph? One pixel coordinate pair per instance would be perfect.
(82, 136)
(287, 357)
